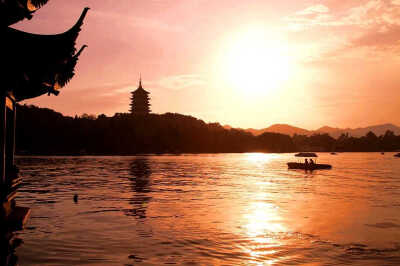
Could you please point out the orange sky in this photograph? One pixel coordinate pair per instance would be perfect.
(242, 63)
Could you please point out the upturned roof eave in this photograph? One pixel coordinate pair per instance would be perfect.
(40, 64)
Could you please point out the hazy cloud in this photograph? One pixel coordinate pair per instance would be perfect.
(179, 82)
(124, 89)
(313, 10)
(308, 17)
(379, 39)
(368, 14)
(370, 30)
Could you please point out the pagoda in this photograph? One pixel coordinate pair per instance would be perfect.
(140, 101)
(31, 65)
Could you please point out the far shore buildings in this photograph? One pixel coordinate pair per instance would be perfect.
(140, 101)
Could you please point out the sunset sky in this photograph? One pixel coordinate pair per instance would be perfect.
(249, 63)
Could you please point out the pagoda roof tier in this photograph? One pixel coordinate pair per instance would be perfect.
(12, 11)
(140, 90)
(140, 104)
(36, 64)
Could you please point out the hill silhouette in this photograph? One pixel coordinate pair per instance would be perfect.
(334, 132)
(359, 132)
(42, 131)
(280, 128)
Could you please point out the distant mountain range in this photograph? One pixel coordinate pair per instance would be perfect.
(334, 132)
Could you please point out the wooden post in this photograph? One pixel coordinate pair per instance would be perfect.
(14, 129)
(10, 132)
(3, 119)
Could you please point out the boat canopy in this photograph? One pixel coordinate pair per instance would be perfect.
(306, 154)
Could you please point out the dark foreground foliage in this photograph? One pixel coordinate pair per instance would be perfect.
(43, 131)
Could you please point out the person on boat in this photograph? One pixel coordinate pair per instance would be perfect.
(306, 163)
(311, 166)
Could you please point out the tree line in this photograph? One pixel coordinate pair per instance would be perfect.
(42, 131)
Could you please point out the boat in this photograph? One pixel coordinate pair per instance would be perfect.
(397, 155)
(333, 153)
(304, 166)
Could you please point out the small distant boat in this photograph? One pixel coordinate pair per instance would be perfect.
(304, 166)
(333, 153)
(397, 155)
(382, 153)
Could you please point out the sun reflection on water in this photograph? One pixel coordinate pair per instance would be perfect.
(260, 157)
(263, 218)
(263, 225)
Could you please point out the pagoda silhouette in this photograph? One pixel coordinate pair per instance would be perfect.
(140, 101)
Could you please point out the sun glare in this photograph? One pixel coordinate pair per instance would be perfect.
(261, 158)
(256, 61)
(263, 218)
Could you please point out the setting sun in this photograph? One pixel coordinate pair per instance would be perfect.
(257, 60)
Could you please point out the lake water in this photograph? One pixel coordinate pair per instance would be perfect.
(226, 209)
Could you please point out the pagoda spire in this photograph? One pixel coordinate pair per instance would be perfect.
(140, 81)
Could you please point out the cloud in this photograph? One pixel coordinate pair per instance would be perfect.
(311, 16)
(390, 37)
(380, 21)
(314, 10)
(368, 14)
(175, 82)
(370, 30)
(117, 90)
(180, 82)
